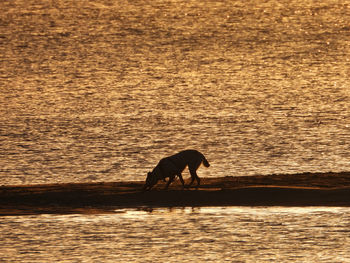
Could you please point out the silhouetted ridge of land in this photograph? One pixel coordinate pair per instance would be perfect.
(307, 189)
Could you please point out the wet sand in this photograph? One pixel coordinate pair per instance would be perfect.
(307, 189)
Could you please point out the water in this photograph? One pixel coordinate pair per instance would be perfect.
(231, 234)
(101, 90)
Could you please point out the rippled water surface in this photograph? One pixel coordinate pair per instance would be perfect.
(233, 234)
(100, 90)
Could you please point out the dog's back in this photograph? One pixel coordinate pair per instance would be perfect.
(190, 158)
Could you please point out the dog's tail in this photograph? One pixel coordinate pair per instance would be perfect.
(205, 162)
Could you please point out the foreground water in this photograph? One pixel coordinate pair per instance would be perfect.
(100, 90)
(232, 234)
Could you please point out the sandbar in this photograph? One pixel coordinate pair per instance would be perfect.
(304, 189)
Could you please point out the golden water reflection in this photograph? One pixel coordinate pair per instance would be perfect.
(101, 90)
(242, 234)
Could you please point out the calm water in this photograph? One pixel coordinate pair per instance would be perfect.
(100, 90)
(236, 234)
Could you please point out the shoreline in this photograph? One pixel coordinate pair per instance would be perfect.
(306, 189)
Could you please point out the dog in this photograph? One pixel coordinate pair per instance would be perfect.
(172, 166)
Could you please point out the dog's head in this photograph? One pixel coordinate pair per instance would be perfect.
(151, 180)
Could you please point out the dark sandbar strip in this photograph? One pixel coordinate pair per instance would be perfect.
(317, 189)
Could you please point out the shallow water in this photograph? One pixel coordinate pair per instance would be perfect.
(101, 90)
(232, 234)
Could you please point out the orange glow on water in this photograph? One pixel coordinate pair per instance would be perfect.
(90, 87)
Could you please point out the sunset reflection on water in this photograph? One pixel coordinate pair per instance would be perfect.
(101, 90)
(242, 234)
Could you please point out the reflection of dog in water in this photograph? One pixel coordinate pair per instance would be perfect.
(173, 166)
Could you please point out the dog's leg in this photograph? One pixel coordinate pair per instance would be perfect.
(147, 188)
(192, 180)
(171, 178)
(182, 180)
(194, 176)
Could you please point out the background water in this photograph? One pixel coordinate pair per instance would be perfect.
(240, 234)
(100, 90)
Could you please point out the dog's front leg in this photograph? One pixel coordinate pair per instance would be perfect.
(182, 180)
(171, 178)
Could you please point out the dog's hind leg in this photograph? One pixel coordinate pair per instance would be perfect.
(192, 167)
(192, 180)
(194, 176)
